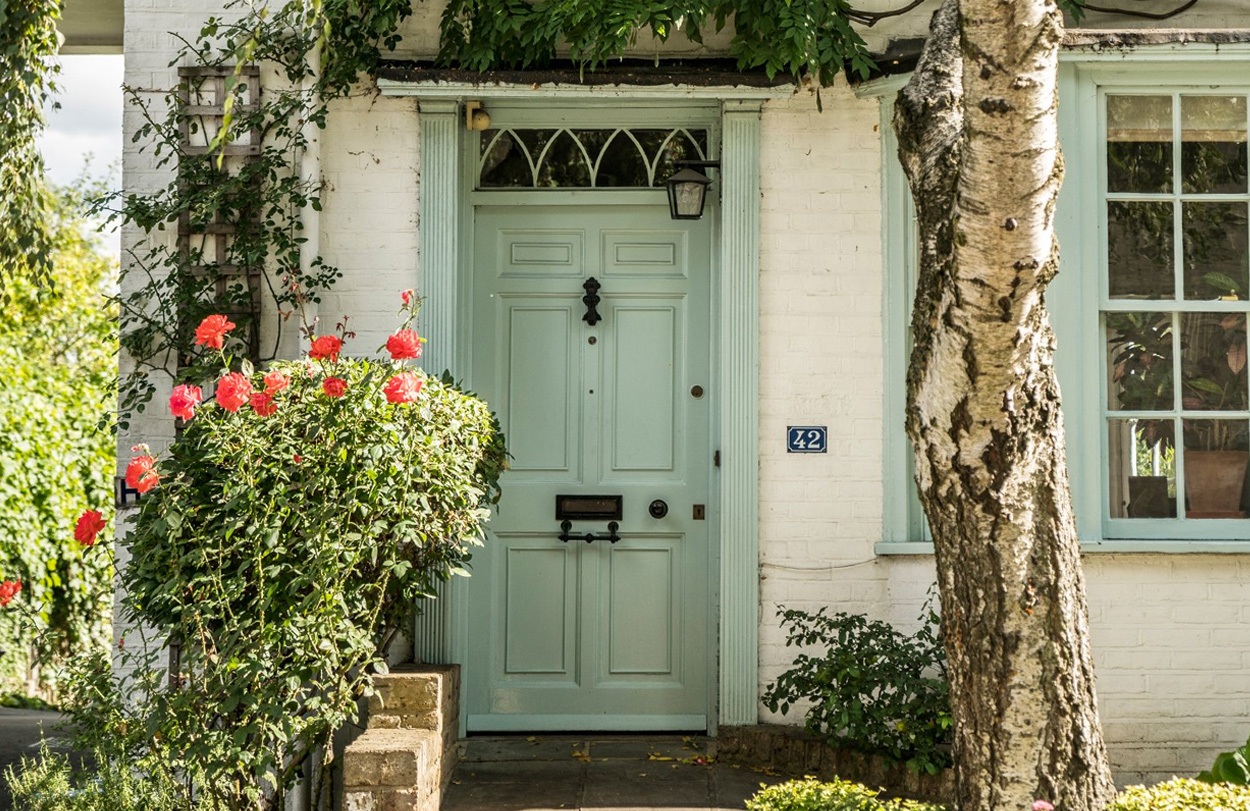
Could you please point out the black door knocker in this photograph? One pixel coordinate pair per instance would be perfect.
(591, 300)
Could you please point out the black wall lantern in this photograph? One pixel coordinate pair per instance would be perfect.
(687, 190)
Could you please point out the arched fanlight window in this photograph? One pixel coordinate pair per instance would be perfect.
(566, 158)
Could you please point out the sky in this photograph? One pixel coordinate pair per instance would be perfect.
(87, 130)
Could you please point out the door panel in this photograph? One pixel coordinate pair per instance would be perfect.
(600, 635)
(540, 591)
(640, 386)
(541, 382)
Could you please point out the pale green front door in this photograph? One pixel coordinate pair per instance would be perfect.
(571, 635)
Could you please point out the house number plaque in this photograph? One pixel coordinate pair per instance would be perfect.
(807, 439)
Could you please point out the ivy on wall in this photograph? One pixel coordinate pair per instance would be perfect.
(28, 45)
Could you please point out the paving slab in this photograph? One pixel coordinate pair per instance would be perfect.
(621, 773)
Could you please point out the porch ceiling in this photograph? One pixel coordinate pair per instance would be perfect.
(92, 26)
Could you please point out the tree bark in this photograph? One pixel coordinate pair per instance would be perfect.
(978, 140)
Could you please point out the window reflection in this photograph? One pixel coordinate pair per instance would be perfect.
(1143, 468)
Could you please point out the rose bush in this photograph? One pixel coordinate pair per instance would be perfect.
(279, 548)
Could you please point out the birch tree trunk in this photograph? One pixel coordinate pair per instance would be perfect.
(978, 140)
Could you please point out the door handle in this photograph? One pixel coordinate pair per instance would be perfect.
(591, 300)
(589, 537)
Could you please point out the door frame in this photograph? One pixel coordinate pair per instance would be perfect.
(441, 632)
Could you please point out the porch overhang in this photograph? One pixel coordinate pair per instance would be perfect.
(92, 26)
(691, 79)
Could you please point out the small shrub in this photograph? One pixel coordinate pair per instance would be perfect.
(1230, 767)
(873, 688)
(840, 795)
(1183, 794)
(49, 782)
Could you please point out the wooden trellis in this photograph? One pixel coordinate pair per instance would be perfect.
(204, 242)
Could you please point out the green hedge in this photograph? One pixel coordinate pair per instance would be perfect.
(1183, 794)
(58, 369)
(1179, 794)
(840, 795)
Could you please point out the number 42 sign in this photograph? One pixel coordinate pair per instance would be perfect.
(807, 438)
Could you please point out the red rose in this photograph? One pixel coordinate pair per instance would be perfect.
(404, 345)
(407, 295)
(212, 330)
(90, 523)
(275, 382)
(9, 590)
(334, 386)
(263, 404)
(297, 458)
(327, 347)
(403, 388)
(141, 474)
(233, 390)
(183, 401)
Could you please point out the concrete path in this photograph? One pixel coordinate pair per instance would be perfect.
(602, 772)
(20, 732)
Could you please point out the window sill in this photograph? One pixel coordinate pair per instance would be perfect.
(902, 548)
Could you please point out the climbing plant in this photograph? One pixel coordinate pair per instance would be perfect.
(28, 45)
(235, 196)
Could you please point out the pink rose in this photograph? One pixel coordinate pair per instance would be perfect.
(403, 388)
(263, 404)
(90, 523)
(404, 345)
(212, 330)
(1042, 805)
(233, 390)
(406, 296)
(275, 382)
(141, 474)
(334, 386)
(327, 347)
(183, 400)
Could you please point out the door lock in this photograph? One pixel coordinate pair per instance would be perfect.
(658, 508)
(700, 512)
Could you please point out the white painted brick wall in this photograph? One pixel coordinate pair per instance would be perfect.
(1170, 632)
(370, 163)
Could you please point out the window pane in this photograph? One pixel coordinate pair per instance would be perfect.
(623, 164)
(564, 164)
(504, 163)
(1213, 149)
(1139, 143)
(1215, 468)
(677, 148)
(1139, 250)
(1213, 361)
(1142, 467)
(1139, 355)
(1214, 242)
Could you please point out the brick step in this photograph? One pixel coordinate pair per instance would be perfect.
(404, 759)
